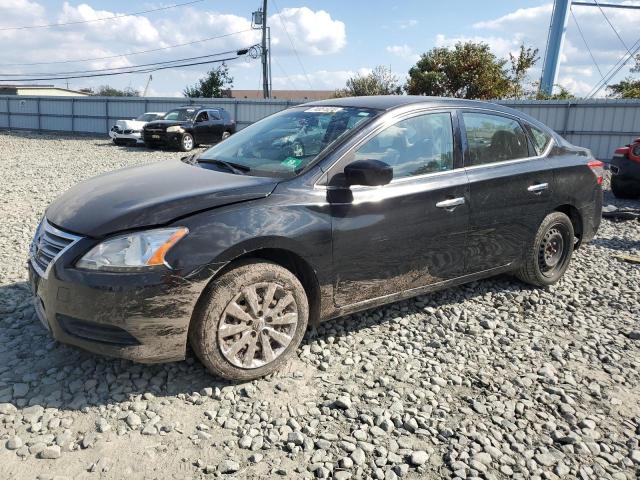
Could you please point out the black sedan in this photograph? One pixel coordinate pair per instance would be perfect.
(315, 212)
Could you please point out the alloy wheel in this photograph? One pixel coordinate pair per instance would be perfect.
(257, 325)
(187, 142)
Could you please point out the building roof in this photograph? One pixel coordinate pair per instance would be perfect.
(31, 86)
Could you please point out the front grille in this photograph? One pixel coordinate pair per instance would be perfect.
(48, 244)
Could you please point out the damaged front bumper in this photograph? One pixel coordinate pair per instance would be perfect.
(142, 317)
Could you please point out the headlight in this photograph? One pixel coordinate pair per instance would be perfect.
(132, 251)
(175, 128)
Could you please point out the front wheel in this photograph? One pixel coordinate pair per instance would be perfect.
(187, 143)
(548, 257)
(249, 321)
(226, 134)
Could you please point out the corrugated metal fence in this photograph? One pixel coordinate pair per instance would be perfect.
(600, 125)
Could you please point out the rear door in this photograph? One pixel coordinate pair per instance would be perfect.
(216, 125)
(509, 186)
(411, 232)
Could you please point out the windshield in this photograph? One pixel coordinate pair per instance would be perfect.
(148, 117)
(283, 144)
(181, 114)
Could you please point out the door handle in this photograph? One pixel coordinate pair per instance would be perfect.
(538, 188)
(451, 203)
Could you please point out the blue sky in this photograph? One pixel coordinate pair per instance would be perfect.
(334, 39)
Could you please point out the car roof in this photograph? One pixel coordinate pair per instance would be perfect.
(391, 102)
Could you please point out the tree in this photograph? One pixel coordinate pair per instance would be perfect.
(627, 88)
(468, 70)
(213, 85)
(561, 94)
(520, 66)
(109, 91)
(381, 81)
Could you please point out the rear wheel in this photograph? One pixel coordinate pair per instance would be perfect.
(624, 189)
(186, 142)
(548, 257)
(249, 321)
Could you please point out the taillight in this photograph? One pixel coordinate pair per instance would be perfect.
(634, 153)
(597, 167)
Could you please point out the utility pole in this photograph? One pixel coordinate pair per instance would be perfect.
(265, 52)
(557, 30)
(559, 19)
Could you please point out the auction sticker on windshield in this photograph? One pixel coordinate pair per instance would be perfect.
(292, 162)
(323, 109)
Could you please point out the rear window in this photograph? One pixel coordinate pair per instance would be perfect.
(540, 138)
(494, 138)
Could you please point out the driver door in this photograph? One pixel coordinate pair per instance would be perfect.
(412, 232)
(201, 128)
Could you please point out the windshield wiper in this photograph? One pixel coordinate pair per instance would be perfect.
(232, 167)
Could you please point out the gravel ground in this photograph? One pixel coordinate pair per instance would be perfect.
(490, 380)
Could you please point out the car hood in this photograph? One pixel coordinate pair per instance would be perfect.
(150, 195)
(130, 124)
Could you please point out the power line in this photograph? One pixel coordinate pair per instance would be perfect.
(112, 17)
(117, 68)
(615, 69)
(139, 52)
(612, 27)
(284, 27)
(585, 43)
(146, 70)
(289, 79)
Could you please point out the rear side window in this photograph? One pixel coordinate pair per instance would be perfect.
(214, 114)
(415, 146)
(541, 139)
(493, 138)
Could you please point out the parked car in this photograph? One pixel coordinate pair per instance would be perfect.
(129, 132)
(189, 126)
(625, 171)
(238, 249)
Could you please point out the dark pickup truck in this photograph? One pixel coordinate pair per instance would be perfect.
(186, 127)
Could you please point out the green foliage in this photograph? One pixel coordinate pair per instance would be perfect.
(627, 88)
(519, 67)
(108, 91)
(468, 70)
(213, 85)
(561, 94)
(381, 81)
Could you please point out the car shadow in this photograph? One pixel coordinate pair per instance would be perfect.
(51, 374)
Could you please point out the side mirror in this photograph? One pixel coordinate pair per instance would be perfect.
(368, 172)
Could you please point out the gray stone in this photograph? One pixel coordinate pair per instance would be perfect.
(50, 453)
(14, 443)
(419, 457)
(228, 466)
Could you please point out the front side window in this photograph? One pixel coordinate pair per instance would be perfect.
(541, 139)
(181, 114)
(283, 144)
(493, 138)
(415, 146)
(202, 117)
(148, 117)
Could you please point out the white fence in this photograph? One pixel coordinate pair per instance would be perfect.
(601, 125)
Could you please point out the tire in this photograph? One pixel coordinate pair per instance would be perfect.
(186, 142)
(226, 134)
(543, 266)
(217, 312)
(622, 188)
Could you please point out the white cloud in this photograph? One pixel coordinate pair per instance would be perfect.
(403, 51)
(312, 33)
(320, 79)
(530, 26)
